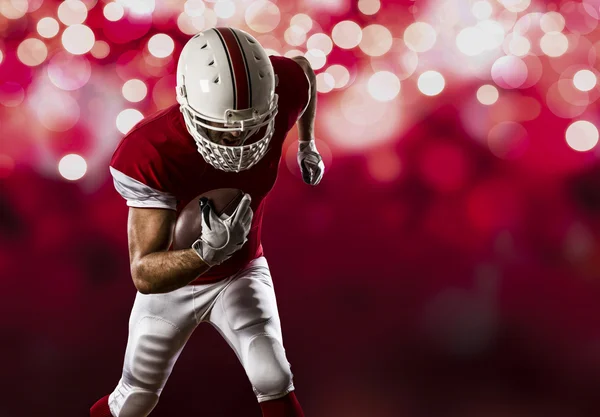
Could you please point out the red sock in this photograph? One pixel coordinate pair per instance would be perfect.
(100, 409)
(287, 406)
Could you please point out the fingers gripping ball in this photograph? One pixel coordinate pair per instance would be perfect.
(218, 225)
(188, 227)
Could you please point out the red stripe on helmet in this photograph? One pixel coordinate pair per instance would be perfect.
(241, 77)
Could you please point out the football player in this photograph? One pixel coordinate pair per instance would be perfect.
(235, 107)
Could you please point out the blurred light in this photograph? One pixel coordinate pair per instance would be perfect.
(516, 6)
(564, 100)
(190, 25)
(316, 58)
(369, 7)
(554, 44)
(509, 72)
(508, 140)
(357, 121)
(11, 94)
(100, 50)
(206, 21)
(507, 19)
(384, 86)
(420, 36)
(161, 45)
(32, 52)
(482, 10)
(293, 52)
(552, 22)
(320, 41)
(69, 72)
(529, 24)
(1, 56)
(340, 74)
(470, 41)
(90, 4)
(271, 52)
(302, 20)
(162, 91)
(534, 70)
(487, 94)
(519, 45)
(431, 83)
(585, 80)
(486, 36)
(127, 119)
(113, 11)
(78, 39)
(295, 35)
(493, 34)
(194, 8)
(134, 90)
(56, 110)
(582, 136)
(72, 12)
(224, 9)
(47, 27)
(72, 167)
(138, 7)
(325, 82)
(13, 9)
(269, 41)
(376, 40)
(346, 34)
(580, 19)
(262, 16)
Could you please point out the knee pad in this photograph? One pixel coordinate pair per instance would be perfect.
(267, 368)
(136, 402)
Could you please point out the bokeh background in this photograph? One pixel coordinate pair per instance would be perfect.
(448, 265)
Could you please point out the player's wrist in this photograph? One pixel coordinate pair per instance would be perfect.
(198, 249)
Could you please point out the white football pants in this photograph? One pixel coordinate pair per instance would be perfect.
(242, 308)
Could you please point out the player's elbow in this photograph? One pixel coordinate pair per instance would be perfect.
(142, 284)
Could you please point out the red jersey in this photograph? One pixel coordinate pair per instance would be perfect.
(157, 164)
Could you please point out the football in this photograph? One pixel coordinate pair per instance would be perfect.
(188, 227)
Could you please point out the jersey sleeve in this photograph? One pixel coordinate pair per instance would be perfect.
(139, 175)
(141, 195)
(293, 85)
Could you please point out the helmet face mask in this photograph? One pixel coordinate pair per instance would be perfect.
(230, 114)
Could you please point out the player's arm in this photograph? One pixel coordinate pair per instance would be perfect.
(306, 122)
(154, 268)
(309, 159)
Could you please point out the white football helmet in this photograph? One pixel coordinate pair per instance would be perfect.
(224, 76)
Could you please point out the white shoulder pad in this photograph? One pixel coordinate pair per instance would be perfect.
(138, 194)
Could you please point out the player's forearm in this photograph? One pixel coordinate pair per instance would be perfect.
(166, 271)
(306, 122)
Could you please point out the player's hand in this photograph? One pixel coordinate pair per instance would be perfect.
(310, 162)
(223, 235)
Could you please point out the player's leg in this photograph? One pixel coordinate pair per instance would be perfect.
(159, 327)
(245, 313)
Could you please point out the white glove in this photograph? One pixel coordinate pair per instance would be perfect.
(310, 162)
(222, 235)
